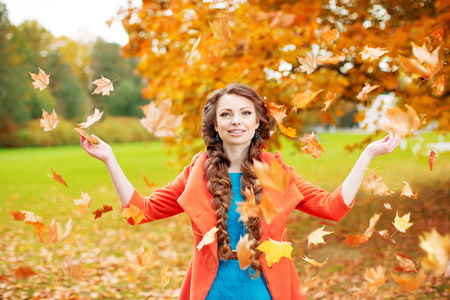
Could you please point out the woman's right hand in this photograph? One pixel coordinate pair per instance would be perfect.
(102, 151)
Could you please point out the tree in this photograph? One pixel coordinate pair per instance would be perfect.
(259, 42)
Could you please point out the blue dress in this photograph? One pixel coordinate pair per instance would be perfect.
(231, 282)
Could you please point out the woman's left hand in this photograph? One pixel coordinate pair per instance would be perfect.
(383, 146)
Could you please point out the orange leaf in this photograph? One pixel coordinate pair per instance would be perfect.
(438, 35)
(57, 177)
(330, 98)
(384, 234)
(195, 52)
(432, 159)
(244, 251)
(83, 204)
(406, 265)
(271, 175)
(98, 213)
(302, 99)
(330, 60)
(366, 90)
(307, 64)
(439, 85)
(18, 215)
(277, 112)
(352, 240)
(140, 258)
(49, 121)
(314, 262)
(208, 238)
(159, 120)
(41, 81)
(274, 251)
(268, 209)
(288, 131)
(372, 222)
(54, 233)
(74, 269)
(150, 185)
(328, 35)
(407, 191)
(312, 145)
(410, 283)
(249, 208)
(133, 212)
(90, 138)
(400, 122)
(23, 272)
(375, 278)
(95, 117)
(104, 86)
(221, 32)
(425, 63)
(372, 53)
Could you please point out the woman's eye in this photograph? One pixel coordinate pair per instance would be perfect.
(224, 114)
(246, 113)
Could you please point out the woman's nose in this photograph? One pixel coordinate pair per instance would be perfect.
(236, 120)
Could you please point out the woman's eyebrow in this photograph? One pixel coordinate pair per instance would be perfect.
(245, 107)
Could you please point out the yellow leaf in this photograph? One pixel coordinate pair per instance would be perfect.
(271, 175)
(312, 146)
(316, 237)
(410, 283)
(437, 248)
(140, 258)
(84, 203)
(277, 112)
(402, 224)
(302, 99)
(274, 250)
(244, 251)
(268, 209)
(328, 35)
(208, 238)
(314, 262)
(289, 131)
(400, 122)
(133, 212)
(165, 278)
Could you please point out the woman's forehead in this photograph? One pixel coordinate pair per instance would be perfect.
(232, 101)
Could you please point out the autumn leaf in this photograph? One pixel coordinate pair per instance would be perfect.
(312, 146)
(402, 223)
(17, 215)
(375, 183)
(208, 238)
(271, 175)
(316, 237)
(150, 185)
(438, 35)
(249, 208)
(375, 278)
(288, 131)
(104, 86)
(406, 265)
(372, 222)
(330, 98)
(309, 284)
(30, 218)
(302, 99)
(92, 119)
(274, 250)
(384, 234)
(314, 262)
(407, 191)
(159, 120)
(57, 177)
(366, 90)
(439, 85)
(54, 233)
(74, 269)
(353, 240)
(277, 112)
(98, 213)
(328, 35)
(307, 64)
(49, 121)
(410, 282)
(244, 251)
(425, 63)
(267, 208)
(221, 32)
(432, 159)
(387, 206)
(335, 59)
(83, 204)
(41, 80)
(437, 247)
(401, 122)
(372, 53)
(195, 52)
(93, 140)
(165, 278)
(24, 272)
(133, 212)
(141, 258)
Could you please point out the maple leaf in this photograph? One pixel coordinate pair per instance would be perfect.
(24, 272)
(49, 121)
(372, 222)
(402, 223)
(195, 52)
(353, 240)
(244, 251)
(400, 122)
(150, 185)
(54, 233)
(271, 175)
(140, 258)
(439, 85)
(274, 250)
(98, 213)
(384, 234)
(425, 63)
(57, 177)
(410, 283)
(249, 208)
(312, 146)
(407, 191)
(316, 237)
(406, 265)
(104, 86)
(18, 215)
(328, 35)
(267, 208)
(41, 80)
(165, 278)
(375, 183)
(330, 60)
(95, 117)
(366, 90)
(288, 131)
(220, 32)
(277, 112)
(432, 159)
(92, 139)
(30, 218)
(302, 99)
(83, 204)
(208, 238)
(438, 35)
(330, 98)
(375, 278)
(159, 120)
(133, 212)
(437, 248)
(307, 64)
(314, 262)
(372, 53)
(74, 268)
(309, 284)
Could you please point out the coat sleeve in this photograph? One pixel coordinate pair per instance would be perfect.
(316, 201)
(162, 203)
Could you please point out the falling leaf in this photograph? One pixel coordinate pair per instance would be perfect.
(438, 35)
(330, 60)
(387, 206)
(74, 269)
(53, 232)
(432, 159)
(400, 122)
(439, 85)
(24, 272)
(312, 146)
(402, 223)
(407, 191)
(140, 258)
(309, 284)
(220, 32)
(277, 112)
(307, 64)
(384, 234)
(104, 86)
(314, 262)
(330, 98)
(437, 248)
(375, 183)
(83, 204)
(93, 140)
(302, 99)
(57, 177)
(133, 212)
(375, 278)
(92, 119)
(410, 283)
(41, 80)
(328, 35)
(271, 175)
(49, 121)
(18, 215)
(244, 251)
(353, 240)
(372, 53)
(268, 209)
(165, 278)
(159, 120)
(249, 208)
(275, 250)
(150, 185)
(316, 237)
(425, 63)
(288, 131)
(372, 222)
(366, 90)
(208, 238)
(406, 265)
(98, 213)
(195, 52)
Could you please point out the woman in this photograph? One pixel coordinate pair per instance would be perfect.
(235, 128)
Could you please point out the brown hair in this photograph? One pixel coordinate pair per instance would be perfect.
(217, 164)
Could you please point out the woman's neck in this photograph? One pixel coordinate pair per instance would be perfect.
(236, 155)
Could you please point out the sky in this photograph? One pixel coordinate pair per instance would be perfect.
(81, 20)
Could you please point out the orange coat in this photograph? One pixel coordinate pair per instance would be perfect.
(188, 193)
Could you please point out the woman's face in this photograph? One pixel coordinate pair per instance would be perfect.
(236, 120)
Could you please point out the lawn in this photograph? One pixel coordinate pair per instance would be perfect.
(104, 242)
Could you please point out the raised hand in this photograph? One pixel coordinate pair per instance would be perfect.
(102, 151)
(383, 146)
